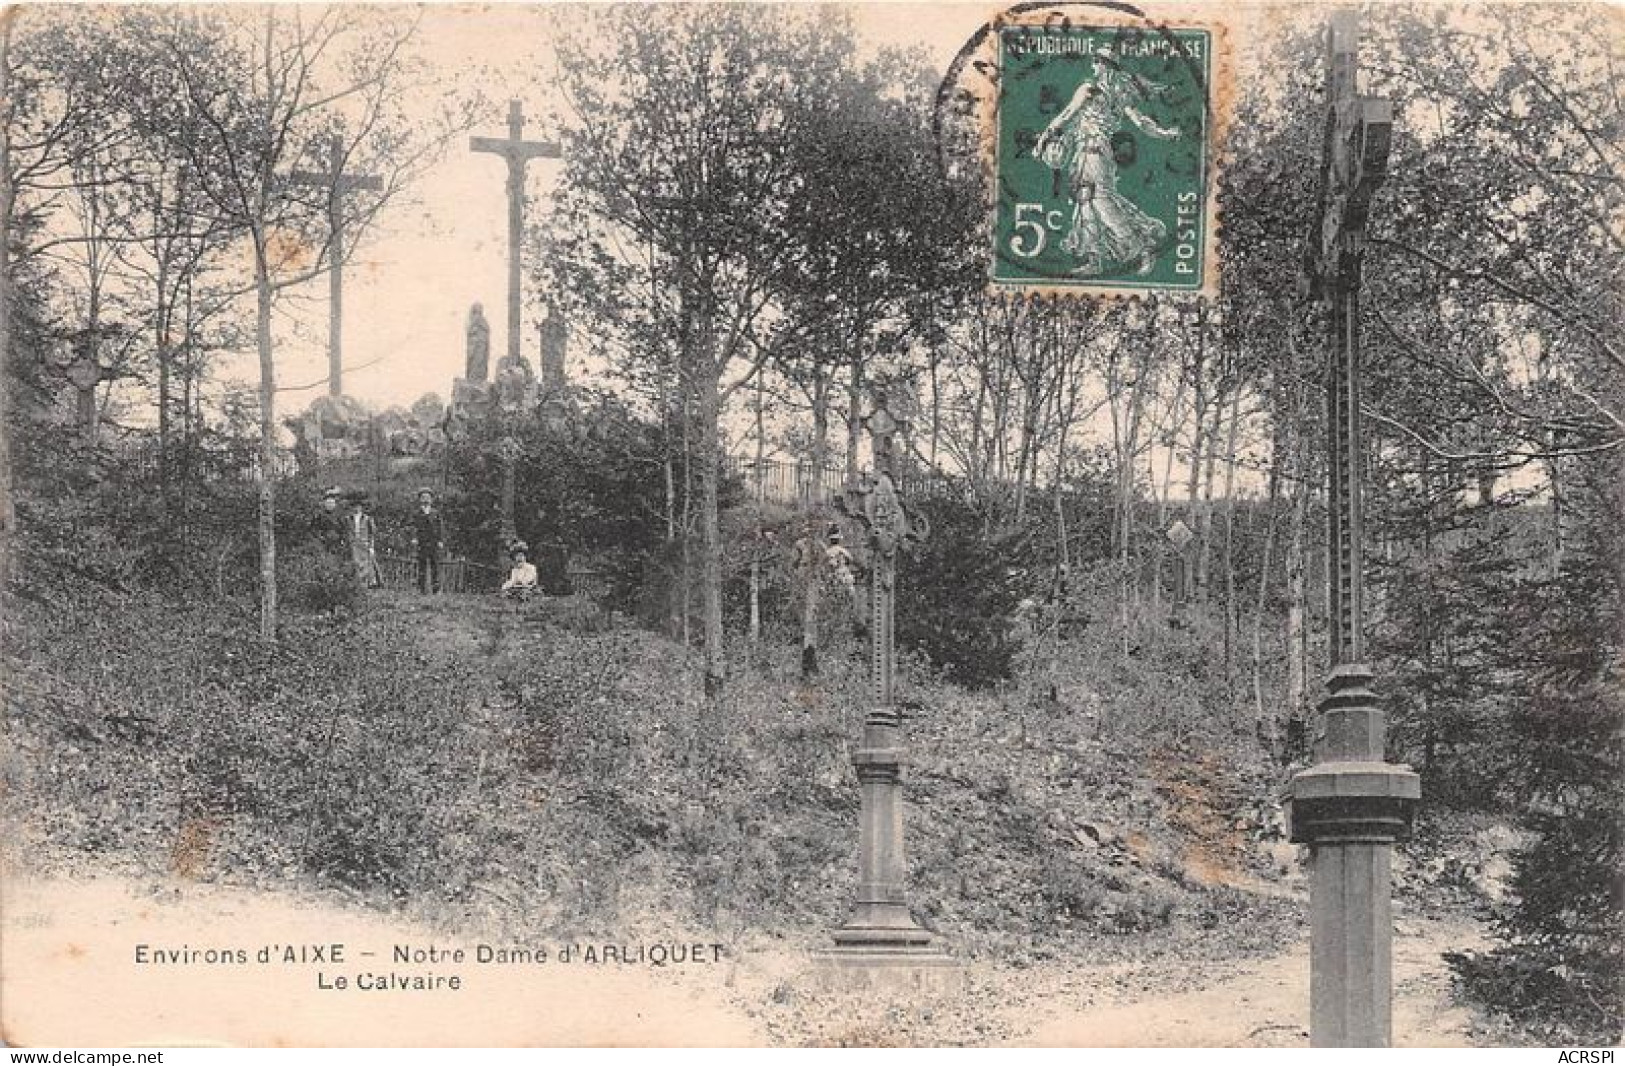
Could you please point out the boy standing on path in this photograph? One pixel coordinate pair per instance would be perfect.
(428, 541)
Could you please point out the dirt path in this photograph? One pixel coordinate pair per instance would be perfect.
(71, 978)
(68, 944)
(1265, 1003)
(1177, 1000)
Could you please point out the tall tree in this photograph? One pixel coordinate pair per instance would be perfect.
(683, 169)
(270, 87)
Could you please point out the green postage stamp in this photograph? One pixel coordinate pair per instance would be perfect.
(1104, 160)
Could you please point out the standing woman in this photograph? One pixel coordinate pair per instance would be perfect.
(363, 540)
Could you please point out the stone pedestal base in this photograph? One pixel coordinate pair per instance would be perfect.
(900, 968)
(883, 926)
(1351, 814)
(1352, 802)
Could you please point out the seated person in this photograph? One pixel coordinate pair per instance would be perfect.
(521, 583)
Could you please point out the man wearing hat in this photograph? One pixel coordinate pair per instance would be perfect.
(428, 540)
(521, 583)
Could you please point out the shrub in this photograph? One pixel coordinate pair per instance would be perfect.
(1561, 966)
(955, 602)
(316, 580)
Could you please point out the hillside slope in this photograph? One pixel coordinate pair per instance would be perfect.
(511, 771)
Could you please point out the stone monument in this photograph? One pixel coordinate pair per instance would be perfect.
(557, 405)
(477, 359)
(881, 943)
(555, 344)
(515, 386)
(1351, 806)
(471, 393)
(515, 151)
(515, 396)
(337, 184)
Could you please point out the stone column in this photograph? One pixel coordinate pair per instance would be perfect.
(881, 942)
(1351, 806)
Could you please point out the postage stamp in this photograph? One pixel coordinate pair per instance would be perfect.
(1104, 158)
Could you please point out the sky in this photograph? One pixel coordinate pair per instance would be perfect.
(408, 289)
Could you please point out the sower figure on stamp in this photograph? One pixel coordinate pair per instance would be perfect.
(428, 541)
(1107, 230)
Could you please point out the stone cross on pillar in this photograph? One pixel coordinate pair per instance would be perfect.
(881, 935)
(1350, 806)
(517, 151)
(337, 183)
(84, 372)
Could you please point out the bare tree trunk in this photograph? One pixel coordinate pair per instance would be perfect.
(671, 492)
(89, 416)
(8, 196)
(1430, 739)
(1204, 555)
(761, 496)
(1177, 418)
(710, 403)
(687, 526)
(1297, 637)
(936, 405)
(1032, 416)
(1064, 415)
(1126, 431)
(267, 483)
(1560, 518)
(1230, 620)
(1264, 722)
(162, 313)
(820, 458)
(854, 418)
(977, 471)
(188, 423)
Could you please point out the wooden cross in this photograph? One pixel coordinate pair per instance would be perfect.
(1354, 162)
(337, 183)
(517, 151)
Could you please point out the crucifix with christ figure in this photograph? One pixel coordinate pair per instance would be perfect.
(1351, 806)
(880, 935)
(517, 152)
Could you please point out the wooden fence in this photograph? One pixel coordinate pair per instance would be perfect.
(459, 575)
(785, 482)
(456, 574)
(793, 482)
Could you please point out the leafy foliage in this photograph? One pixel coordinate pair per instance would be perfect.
(1561, 968)
(956, 600)
(590, 486)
